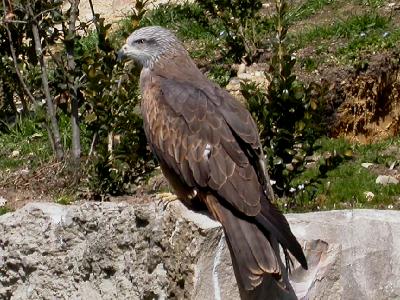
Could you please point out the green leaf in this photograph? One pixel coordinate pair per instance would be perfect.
(300, 125)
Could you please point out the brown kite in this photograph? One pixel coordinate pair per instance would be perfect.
(208, 147)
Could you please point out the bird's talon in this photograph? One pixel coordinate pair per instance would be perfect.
(165, 199)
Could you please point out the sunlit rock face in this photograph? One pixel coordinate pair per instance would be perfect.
(352, 254)
(141, 251)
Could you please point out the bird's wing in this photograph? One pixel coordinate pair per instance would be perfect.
(210, 142)
(195, 140)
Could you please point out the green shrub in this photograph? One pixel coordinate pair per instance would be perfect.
(288, 115)
(4, 210)
(111, 114)
(244, 28)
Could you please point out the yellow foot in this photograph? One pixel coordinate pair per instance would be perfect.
(165, 199)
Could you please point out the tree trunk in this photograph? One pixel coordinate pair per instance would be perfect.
(76, 142)
(51, 113)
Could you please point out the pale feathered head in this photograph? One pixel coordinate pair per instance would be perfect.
(148, 44)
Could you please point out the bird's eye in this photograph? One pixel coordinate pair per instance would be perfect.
(140, 41)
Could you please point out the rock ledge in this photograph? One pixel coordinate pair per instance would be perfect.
(122, 251)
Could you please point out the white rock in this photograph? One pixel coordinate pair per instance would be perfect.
(369, 195)
(366, 165)
(233, 84)
(386, 179)
(3, 201)
(114, 250)
(242, 69)
(393, 165)
(15, 153)
(259, 74)
(245, 76)
(352, 254)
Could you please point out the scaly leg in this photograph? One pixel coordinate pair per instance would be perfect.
(166, 199)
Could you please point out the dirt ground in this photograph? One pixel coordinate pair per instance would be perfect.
(52, 184)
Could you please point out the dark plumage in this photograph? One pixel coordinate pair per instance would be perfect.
(208, 147)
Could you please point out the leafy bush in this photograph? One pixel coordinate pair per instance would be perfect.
(288, 115)
(4, 210)
(244, 28)
(12, 92)
(112, 117)
(86, 88)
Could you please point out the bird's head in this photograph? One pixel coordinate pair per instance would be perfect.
(148, 44)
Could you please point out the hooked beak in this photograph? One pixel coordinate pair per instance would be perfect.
(121, 56)
(122, 53)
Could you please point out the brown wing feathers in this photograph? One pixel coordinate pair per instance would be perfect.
(210, 142)
(251, 248)
(272, 219)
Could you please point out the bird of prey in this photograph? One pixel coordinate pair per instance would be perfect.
(208, 147)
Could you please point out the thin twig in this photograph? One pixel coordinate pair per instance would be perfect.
(3, 22)
(44, 12)
(94, 16)
(91, 147)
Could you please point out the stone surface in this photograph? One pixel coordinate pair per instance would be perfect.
(247, 74)
(369, 195)
(122, 251)
(366, 165)
(3, 201)
(241, 69)
(111, 251)
(386, 179)
(357, 250)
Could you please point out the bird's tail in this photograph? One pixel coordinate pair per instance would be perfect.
(258, 267)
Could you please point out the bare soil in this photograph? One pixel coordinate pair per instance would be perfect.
(370, 107)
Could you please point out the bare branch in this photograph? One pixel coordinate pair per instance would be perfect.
(43, 12)
(94, 16)
(4, 22)
(92, 144)
(73, 90)
(45, 83)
